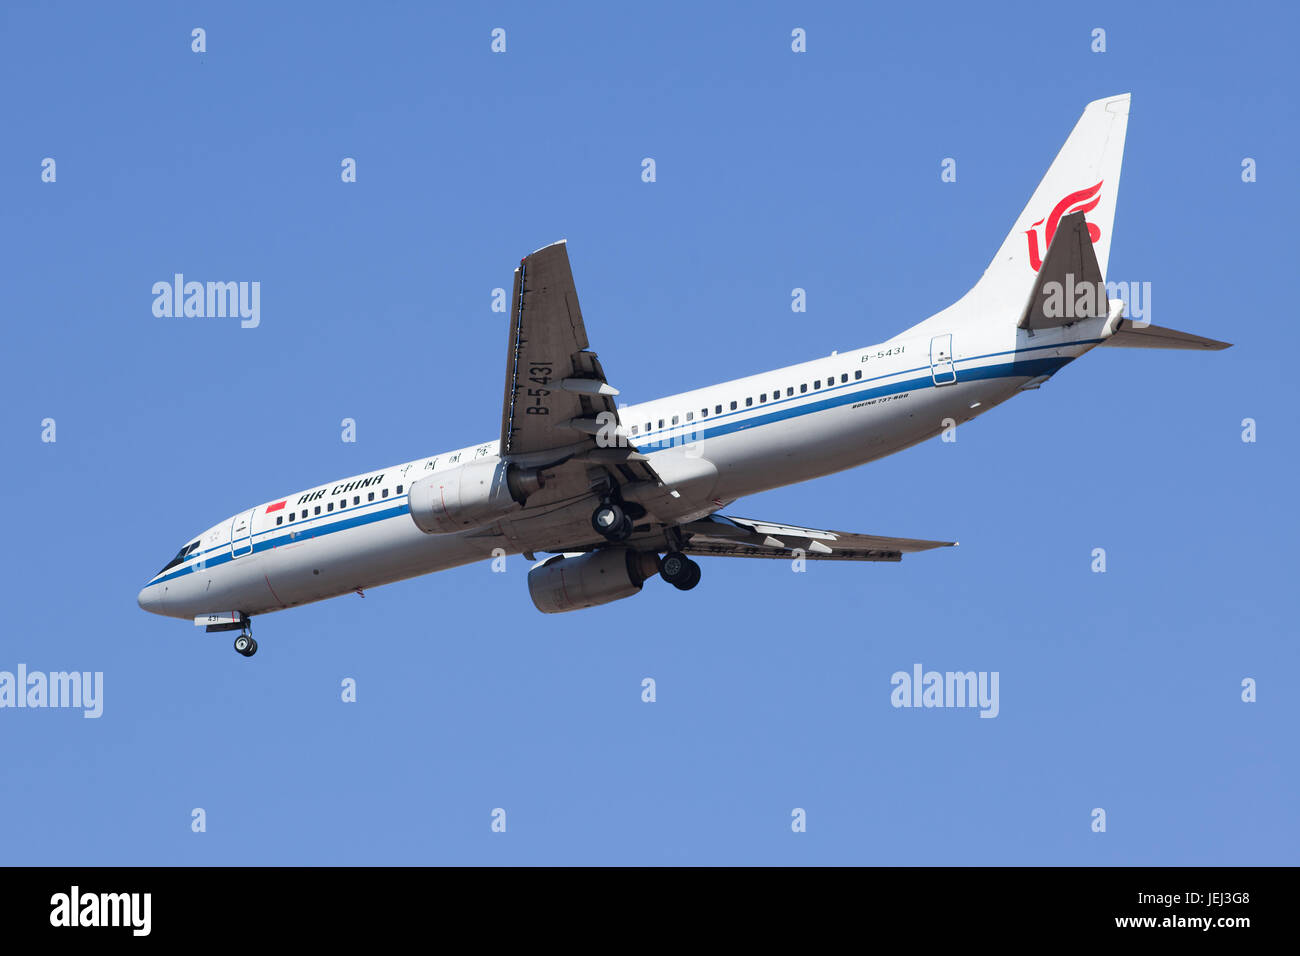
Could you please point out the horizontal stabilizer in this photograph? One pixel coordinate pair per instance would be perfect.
(1130, 336)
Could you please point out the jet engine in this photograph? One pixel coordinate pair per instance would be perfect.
(470, 496)
(569, 582)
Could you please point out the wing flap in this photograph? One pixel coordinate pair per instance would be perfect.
(725, 536)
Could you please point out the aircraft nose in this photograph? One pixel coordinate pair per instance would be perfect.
(150, 599)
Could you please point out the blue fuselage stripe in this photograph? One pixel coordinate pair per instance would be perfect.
(294, 533)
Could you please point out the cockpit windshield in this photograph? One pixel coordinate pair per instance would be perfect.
(181, 555)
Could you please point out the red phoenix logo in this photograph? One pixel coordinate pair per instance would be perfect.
(1085, 200)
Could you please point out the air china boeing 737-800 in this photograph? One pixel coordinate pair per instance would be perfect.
(617, 495)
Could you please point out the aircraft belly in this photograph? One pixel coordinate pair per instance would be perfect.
(222, 587)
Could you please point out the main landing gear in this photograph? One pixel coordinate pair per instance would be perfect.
(612, 521)
(244, 643)
(679, 570)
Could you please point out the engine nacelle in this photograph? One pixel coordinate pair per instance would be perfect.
(470, 496)
(570, 582)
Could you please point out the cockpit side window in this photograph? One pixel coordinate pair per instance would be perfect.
(181, 555)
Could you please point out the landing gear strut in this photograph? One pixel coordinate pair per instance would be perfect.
(679, 570)
(612, 521)
(244, 643)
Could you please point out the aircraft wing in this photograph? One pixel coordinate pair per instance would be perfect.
(746, 538)
(557, 401)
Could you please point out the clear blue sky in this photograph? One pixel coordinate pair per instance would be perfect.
(775, 170)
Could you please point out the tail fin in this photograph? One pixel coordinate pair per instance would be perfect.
(1083, 178)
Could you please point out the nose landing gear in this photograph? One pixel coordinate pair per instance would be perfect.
(232, 621)
(244, 643)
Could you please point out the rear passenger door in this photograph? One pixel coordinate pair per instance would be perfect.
(942, 369)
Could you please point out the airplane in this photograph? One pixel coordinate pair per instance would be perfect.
(616, 495)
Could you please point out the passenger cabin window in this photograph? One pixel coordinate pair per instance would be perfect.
(749, 401)
(690, 416)
(356, 499)
(661, 423)
(279, 520)
(704, 413)
(789, 391)
(762, 398)
(675, 418)
(318, 509)
(803, 388)
(733, 406)
(384, 493)
(634, 431)
(817, 383)
(718, 410)
(329, 506)
(844, 377)
(857, 375)
(399, 489)
(371, 497)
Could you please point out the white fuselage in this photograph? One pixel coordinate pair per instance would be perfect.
(712, 445)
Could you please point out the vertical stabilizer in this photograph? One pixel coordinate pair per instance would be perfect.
(1084, 178)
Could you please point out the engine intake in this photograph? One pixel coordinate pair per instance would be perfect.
(470, 496)
(569, 582)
